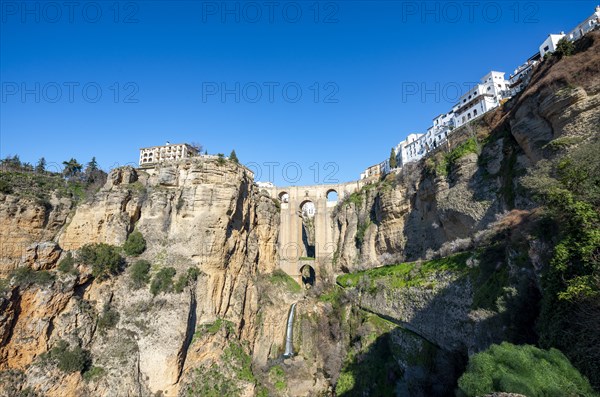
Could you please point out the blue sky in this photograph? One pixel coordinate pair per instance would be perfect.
(228, 76)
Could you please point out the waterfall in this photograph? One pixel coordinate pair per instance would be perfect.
(289, 336)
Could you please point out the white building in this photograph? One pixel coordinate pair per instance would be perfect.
(521, 76)
(438, 132)
(372, 172)
(482, 98)
(169, 152)
(549, 45)
(265, 185)
(411, 149)
(589, 24)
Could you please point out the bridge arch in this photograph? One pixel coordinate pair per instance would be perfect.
(309, 276)
(293, 232)
(283, 196)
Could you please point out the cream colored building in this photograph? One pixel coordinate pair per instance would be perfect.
(169, 152)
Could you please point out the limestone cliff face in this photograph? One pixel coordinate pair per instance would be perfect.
(194, 214)
(27, 221)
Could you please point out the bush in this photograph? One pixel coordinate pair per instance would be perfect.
(5, 187)
(139, 273)
(163, 281)
(135, 244)
(93, 373)
(104, 259)
(108, 319)
(522, 369)
(69, 360)
(564, 48)
(185, 279)
(67, 265)
(25, 276)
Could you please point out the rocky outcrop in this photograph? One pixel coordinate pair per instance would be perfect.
(25, 221)
(201, 214)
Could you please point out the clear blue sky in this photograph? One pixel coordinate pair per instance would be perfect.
(169, 58)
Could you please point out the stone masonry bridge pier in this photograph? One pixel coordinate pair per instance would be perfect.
(291, 244)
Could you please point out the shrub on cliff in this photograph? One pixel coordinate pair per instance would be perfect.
(68, 360)
(522, 369)
(104, 259)
(135, 244)
(139, 273)
(163, 281)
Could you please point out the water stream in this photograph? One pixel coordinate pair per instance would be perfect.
(289, 335)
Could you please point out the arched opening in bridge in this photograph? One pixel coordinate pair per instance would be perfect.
(332, 196)
(307, 213)
(284, 197)
(308, 276)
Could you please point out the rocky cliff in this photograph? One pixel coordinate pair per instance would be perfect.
(199, 308)
(198, 214)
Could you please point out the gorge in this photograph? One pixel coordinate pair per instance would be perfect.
(413, 274)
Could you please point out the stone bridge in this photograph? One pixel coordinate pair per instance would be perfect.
(291, 245)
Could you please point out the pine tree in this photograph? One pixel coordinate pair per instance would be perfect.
(393, 161)
(40, 167)
(233, 157)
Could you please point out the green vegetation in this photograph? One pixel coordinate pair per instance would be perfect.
(212, 382)
(277, 377)
(68, 360)
(135, 244)
(407, 274)
(223, 380)
(522, 369)
(564, 48)
(442, 164)
(360, 233)
(393, 161)
(24, 276)
(214, 327)
(108, 319)
(569, 188)
(93, 373)
(185, 279)
(67, 264)
(233, 157)
(221, 159)
(371, 365)
(162, 281)
(139, 273)
(306, 258)
(279, 277)
(563, 143)
(355, 198)
(104, 259)
(236, 358)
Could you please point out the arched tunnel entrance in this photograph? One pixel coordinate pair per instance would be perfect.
(308, 276)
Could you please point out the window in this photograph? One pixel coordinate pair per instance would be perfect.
(546, 48)
(475, 112)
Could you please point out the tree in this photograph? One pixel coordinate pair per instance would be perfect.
(197, 146)
(564, 48)
(393, 161)
(522, 369)
(135, 244)
(40, 167)
(72, 168)
(93, 173)
(233, 157)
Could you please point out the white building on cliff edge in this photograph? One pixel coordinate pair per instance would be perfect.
(482, 98)
(169, 152)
